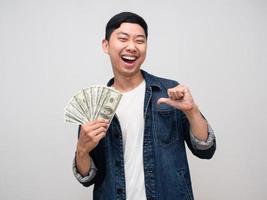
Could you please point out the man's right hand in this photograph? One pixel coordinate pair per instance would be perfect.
(90, 135)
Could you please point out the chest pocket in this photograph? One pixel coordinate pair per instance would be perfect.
(166, 127)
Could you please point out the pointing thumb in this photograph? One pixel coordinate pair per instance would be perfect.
(163, 100)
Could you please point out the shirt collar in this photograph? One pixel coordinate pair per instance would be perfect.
(149, 78)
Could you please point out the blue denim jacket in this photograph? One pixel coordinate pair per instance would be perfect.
(166, 169)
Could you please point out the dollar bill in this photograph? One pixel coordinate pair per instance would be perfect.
(99, 96)
(94, 92)
(87, 95)
(103, 96)
(76, 106)
(75, 113)
(83, 104)
(68, 119)
(109, 106)
(95, 102)
(71, 118)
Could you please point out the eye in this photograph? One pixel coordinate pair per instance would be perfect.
(122, 39)
(140, 41)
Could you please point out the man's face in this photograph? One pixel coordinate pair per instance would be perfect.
(127, 49)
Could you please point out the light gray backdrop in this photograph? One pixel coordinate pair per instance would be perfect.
(51, 49)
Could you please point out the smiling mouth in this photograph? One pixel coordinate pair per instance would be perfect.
(129, 59)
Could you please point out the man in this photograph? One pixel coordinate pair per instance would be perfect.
(141, 154)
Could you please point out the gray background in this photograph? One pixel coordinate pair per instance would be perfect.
(51, 49)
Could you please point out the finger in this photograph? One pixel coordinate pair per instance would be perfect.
(94, 125)
(176, 93)
(161, 100)
(184, 89)
(171, 93)
(98, 131)
(100, 136)
(174, 103)
(96, 121)
(95, 140)
(102, 120)
(91, 136)
(179, 94)
(167, 101)
(98, 125)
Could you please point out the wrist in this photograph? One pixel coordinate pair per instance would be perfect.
(81, 152)
(194, 111)
(83, 163)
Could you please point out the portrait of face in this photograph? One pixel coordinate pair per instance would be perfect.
(127, 49)
(106, 113)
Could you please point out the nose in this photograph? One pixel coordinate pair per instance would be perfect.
(131, 46)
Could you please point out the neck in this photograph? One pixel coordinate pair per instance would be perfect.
(127, 83)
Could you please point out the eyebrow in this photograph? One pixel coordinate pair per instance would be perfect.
(126, 34)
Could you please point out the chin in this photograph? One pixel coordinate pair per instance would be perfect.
(130, 71)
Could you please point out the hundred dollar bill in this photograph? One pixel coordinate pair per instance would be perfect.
(76, 106)
(87, 95)
(102, 98)
(77, 114)
(94, 93)
(71, 118)
(99, 96)
(83, 104)
(68, 119)
(95, 102)
(109, 106)
(96, 97)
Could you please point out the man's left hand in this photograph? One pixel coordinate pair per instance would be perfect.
(180, 98)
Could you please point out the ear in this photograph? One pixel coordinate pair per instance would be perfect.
(105, 46)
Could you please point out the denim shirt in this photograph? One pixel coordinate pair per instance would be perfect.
(166, 168)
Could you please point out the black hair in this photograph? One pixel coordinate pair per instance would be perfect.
(116, 21)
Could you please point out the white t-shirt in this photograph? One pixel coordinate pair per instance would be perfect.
(130, 114)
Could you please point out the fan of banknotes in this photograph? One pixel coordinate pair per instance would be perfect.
(95, 102)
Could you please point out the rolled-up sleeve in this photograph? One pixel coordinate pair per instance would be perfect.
(84, 179)
(203, 145)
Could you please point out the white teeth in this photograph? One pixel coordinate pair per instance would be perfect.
(129, 57)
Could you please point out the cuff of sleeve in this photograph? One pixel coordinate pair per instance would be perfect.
(84, 179)
(203, 145)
